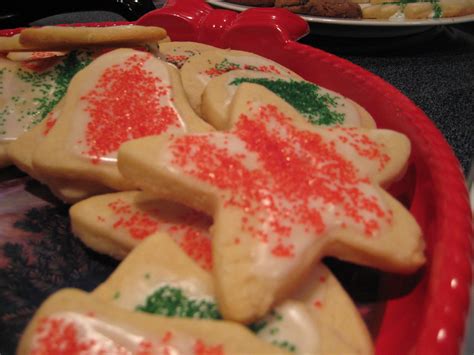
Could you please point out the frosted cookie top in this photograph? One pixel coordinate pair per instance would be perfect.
(303, 182)
(74, 322)
(198, 71)
(123, 220)
(128, 97)
(30, 89)
(76, 333)
(318, 105)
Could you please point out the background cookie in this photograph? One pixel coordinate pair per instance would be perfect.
(29, 90)
(124, 94)
(116, 223)
(178, 53)
(318, 105)
(200, 69)
(62, 37)
(12, 43)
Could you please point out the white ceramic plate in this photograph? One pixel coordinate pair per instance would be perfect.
(362, 28)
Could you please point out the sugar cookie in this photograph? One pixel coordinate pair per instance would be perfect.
(63, 37)
(200, 69)
(155, 271)
(124, 94)
(74, 190)
(283, 194)
(4, 159)
(116, 223)
(71, 320)
(341, 328)
(29, 90)
(178, 53)
(318, 105)
(158, 278)
(34, 55)
(21, 151)
(12, 43)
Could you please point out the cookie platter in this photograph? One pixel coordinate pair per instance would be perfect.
(356, 28)
(422, 312)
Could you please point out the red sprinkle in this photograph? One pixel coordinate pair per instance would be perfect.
(200, 348)
(49, 123)
(57, 336)
(295, 166)
(190, 229)
(125, 105)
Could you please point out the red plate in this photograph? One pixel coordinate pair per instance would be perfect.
(431, 318)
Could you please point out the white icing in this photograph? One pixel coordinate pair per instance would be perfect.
(81, 118)
(27, 56)
(21, 100)
(343, 106)
(111, 338)
(244, 61)
(292, 323)
(19, 109)
(300, 236)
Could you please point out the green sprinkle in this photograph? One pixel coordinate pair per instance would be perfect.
(277, 315)
(274, 331)
(116, 295)
(226, 66)
(171, 302)
(258, 326)
(304, 97)
(147, 276)
(286, 345)
(53, 83)
(438, 11)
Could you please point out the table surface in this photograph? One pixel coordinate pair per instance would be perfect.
(435, 69)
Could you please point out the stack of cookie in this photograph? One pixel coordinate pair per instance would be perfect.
(371, 9)
(222, 179)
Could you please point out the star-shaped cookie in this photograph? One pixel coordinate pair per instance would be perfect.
(283, 194)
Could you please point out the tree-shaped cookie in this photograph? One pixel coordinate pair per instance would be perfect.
(317, 104)
(123, 95)
(283, 194)
(116, 223)
(158, 278)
